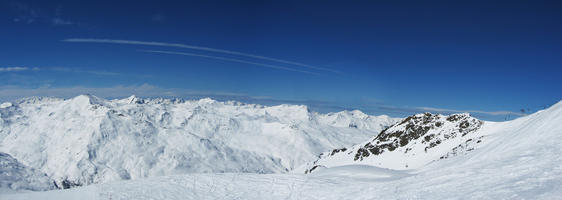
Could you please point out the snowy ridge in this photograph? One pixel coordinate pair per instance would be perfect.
(87, 139)
(409, 144)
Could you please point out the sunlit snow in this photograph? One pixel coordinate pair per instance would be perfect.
(518, 159)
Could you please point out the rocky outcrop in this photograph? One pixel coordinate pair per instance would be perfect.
(413, 142)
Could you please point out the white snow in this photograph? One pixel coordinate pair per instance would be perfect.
(87, 140)
(519, 159)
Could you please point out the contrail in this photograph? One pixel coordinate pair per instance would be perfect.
(229, 59)
(133, 42)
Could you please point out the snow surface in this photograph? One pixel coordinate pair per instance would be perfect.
(87, 139)
(519, 159)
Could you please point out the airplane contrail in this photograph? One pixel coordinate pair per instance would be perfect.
(229, 59)
(133, 42)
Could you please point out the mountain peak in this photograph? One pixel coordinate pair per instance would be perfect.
(88, 99)
(133, 99)
(358, 114)
(207, 100)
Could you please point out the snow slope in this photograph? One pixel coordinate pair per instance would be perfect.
(519, 159)
(87, 140)
(414, 142)
(16, 176)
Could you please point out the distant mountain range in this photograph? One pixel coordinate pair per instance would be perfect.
(86, 139)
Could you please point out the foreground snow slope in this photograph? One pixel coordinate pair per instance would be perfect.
(520, 159)
(87, 140)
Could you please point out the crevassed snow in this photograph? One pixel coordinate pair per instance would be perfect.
(87, 139)
(520, 159)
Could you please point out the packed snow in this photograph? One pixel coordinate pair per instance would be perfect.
(87, 140)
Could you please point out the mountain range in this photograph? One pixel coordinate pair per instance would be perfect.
(137, 148)
(86, 139)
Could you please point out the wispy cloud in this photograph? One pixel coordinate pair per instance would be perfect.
(78, 70)
(200, 48)
(443, 110)
(229, 59)
(60, 21)
(59, 69)
(25, 13)
(15, 69)
(103, 73)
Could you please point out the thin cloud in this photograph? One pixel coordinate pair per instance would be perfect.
(59, 21)
(133, 42)
(77, 70)
(379, 108)
(16, 69)
(470, 111)
(103, 73)
(229, 59)
(25, 13)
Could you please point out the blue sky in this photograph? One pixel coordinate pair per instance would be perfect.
(382, 57)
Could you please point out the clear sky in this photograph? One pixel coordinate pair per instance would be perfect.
(382, 57)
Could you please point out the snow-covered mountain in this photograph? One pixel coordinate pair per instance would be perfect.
(87, 140)
(424, 138)
(409, 144)
(518, 159)
(15, 175)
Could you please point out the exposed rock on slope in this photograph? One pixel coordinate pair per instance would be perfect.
(87, 140)
(411, 143)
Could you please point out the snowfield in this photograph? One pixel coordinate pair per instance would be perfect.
(86, 140)
(518, 159)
